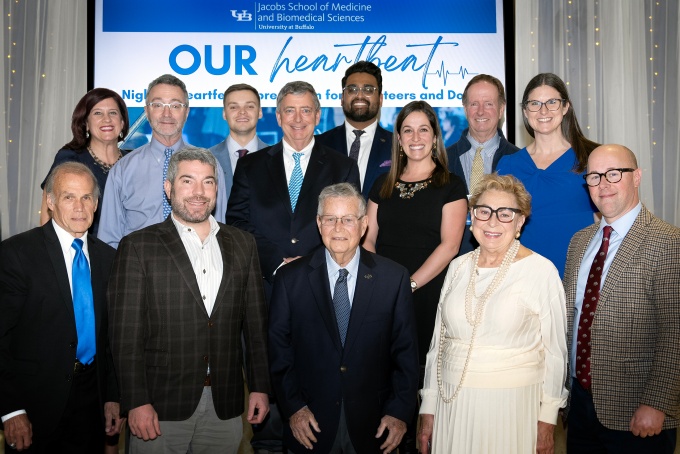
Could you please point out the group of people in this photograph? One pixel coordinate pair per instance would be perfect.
(339, 277)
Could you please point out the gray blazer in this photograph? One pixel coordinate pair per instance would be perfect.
(221, 152)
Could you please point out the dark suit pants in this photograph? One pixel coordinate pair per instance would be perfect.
(81, 428)
(586, 435)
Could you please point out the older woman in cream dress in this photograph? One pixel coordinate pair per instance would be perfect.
(495, 373)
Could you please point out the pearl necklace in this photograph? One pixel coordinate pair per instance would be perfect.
(475, 321)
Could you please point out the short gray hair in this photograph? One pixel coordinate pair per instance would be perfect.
(344, 191)
(73, 168)
(190, 154)
(169, 79)
(297, 87)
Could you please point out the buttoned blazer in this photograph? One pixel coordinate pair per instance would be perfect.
(221, 153)
(635, 357)
(379, 159)
(38, 338)
(162, 336)
(375, 374)
(260, 202)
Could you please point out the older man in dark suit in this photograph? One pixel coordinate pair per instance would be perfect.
(623, 277)
(181, 294)
(360, 136)
(58, 391)
(342, 339)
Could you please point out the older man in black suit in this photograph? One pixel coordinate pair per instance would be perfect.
(58, 391)
(342, 339)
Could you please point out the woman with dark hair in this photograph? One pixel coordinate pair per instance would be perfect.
(99, 122)
(551, 169)
(416, 216)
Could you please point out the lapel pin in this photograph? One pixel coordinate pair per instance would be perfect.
(368, 276)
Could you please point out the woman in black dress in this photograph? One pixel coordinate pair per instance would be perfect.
(416, 216)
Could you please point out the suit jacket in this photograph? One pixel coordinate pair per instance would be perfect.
(379, 160)
(260, 203)
(376, 373)
(635, 357)
(162, 336)
(38, 338)
(221, 152)
(454, 153)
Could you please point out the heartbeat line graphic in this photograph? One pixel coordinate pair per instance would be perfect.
(443, 73)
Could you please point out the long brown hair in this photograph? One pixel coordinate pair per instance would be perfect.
(571, 131)
(440, 175)
(80, 140)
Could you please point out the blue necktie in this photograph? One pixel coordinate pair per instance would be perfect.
(356, 145)
(295, 181)
(341, 304)
(166, 203)
(83, 305)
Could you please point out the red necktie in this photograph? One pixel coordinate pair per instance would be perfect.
(588, 308)
(242, 152)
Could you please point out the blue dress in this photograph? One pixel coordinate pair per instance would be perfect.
(560, 203)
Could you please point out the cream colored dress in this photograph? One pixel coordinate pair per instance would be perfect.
(516, 372)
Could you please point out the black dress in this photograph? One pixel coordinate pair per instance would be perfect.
(409, 231)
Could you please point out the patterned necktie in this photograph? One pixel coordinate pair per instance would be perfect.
(477, 172)
(590, 300)
(295, 181)
(166, 202)
(242, 152)
(356, 145)
(83, 305)
(341, 304)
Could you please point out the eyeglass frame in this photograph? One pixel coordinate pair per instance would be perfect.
(513, 210)
(525, 105)
(600, 175)
(163, 105)
(355, 89)
(351, 218)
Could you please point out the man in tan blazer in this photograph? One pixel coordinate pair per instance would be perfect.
(624, 326)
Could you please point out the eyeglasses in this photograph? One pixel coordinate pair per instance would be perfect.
(354, 90)
(330, 221)
(503, 214)
(551, 104)
(174, 106)
(594, 179)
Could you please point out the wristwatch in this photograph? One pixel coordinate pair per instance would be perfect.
(414, 285)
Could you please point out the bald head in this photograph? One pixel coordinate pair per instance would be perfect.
(614, 199)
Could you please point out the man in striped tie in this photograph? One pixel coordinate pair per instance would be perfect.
(342, 340)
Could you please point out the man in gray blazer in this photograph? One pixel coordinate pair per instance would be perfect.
(241, 111)
(181, 295)
(623, 277)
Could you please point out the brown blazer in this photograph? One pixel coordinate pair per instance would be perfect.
(635, 352)
(161, 335)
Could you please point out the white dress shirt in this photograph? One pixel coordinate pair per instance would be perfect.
(366, 140)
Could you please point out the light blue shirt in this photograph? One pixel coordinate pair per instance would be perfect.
(133, 198)
(489, 150)
(334, 271)
(233, 148)
(621, 227)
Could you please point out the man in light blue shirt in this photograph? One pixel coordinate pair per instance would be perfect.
(134, 197)
(241, 112)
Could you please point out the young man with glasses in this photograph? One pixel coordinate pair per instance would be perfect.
(360, 136)
(134, 197)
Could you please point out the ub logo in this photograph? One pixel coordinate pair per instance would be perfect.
(243, 16)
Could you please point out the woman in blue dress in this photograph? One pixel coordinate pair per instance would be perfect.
(551, 169)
